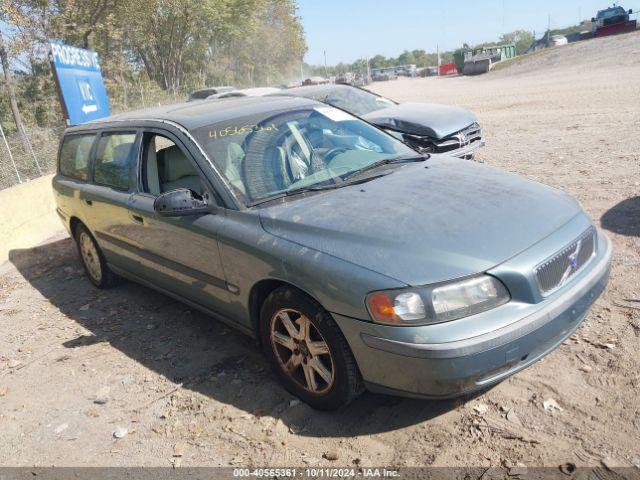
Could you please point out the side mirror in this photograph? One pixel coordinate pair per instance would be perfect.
(180, 202)
(593, 19)
(630, 11)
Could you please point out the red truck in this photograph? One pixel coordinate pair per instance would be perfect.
(613, 20)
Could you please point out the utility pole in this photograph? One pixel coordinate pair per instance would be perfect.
(13, 104)
(326, 75)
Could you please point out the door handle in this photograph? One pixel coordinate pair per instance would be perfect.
(137, 218)
(88, 202)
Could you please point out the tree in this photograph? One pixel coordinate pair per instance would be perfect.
(13, 103)
(193, 42)
(167, 41)
(406, 58)
(521, 38)
(178, 44)
(271, 43)
(379, 61)
(95, 24)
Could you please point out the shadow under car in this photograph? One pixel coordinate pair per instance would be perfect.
(191, 348)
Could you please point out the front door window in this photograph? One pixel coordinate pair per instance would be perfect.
(166, 167)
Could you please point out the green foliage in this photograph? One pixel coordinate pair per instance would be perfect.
(521, 38)
(420, 58)
(151, 51)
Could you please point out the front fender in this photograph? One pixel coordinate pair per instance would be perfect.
(250, 254)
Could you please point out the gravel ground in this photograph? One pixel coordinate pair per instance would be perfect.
(78, 365)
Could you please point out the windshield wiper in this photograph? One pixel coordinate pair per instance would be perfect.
(316, 188)
(388, 161)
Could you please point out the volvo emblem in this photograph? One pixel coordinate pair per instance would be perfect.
(572, 263)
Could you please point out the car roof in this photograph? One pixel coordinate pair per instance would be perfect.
(312, 89)
(615, 8)
(195, 114)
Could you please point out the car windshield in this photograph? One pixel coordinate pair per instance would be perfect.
(610, 12)
(277, 152)
(354, 100)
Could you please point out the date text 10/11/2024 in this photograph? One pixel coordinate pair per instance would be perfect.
(315, 472)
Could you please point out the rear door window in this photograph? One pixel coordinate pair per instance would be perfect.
(114, 158)
(74, 156)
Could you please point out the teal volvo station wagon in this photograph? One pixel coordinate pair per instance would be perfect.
(357, 262)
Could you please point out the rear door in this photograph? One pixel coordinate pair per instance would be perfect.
(107, 196)
(178, 254)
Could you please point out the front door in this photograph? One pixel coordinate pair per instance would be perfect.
(178, 254)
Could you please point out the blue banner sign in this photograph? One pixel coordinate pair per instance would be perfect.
(77, 72)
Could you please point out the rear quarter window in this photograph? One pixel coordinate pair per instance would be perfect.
(74, 156)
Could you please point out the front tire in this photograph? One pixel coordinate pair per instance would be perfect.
(93, 261)
(307, 350)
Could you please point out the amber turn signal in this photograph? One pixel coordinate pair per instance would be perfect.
(381, 308)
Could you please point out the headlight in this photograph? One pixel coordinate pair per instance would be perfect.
(435, 304)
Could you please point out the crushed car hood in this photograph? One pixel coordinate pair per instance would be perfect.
(424, 225)
(433, 120)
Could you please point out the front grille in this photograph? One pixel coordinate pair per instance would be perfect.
(460, 139)
(557, 271)
(463, 138)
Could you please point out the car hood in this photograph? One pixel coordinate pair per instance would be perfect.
(436, 121)
(424, 225)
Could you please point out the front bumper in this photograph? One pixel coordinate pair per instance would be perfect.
(449, 369)
(467, 152)
(463, 147)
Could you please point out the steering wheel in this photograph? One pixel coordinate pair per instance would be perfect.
(328, 155)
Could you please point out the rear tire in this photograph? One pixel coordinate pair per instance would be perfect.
(307, 350)
(93, 261)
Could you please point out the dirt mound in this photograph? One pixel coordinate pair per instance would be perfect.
(598, 53)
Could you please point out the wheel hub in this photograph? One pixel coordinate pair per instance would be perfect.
(303, 349)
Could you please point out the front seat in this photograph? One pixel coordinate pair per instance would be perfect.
(229, 157)
(176, 171)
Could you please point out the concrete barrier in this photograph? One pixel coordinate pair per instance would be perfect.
(27, 216)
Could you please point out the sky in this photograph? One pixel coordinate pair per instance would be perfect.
(352, 29)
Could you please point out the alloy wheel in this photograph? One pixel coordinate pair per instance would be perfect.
(90, 257)
(302, 352)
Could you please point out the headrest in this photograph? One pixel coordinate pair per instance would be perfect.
(235, 150)
(226, 154)
(121, 153)
(173, 164)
